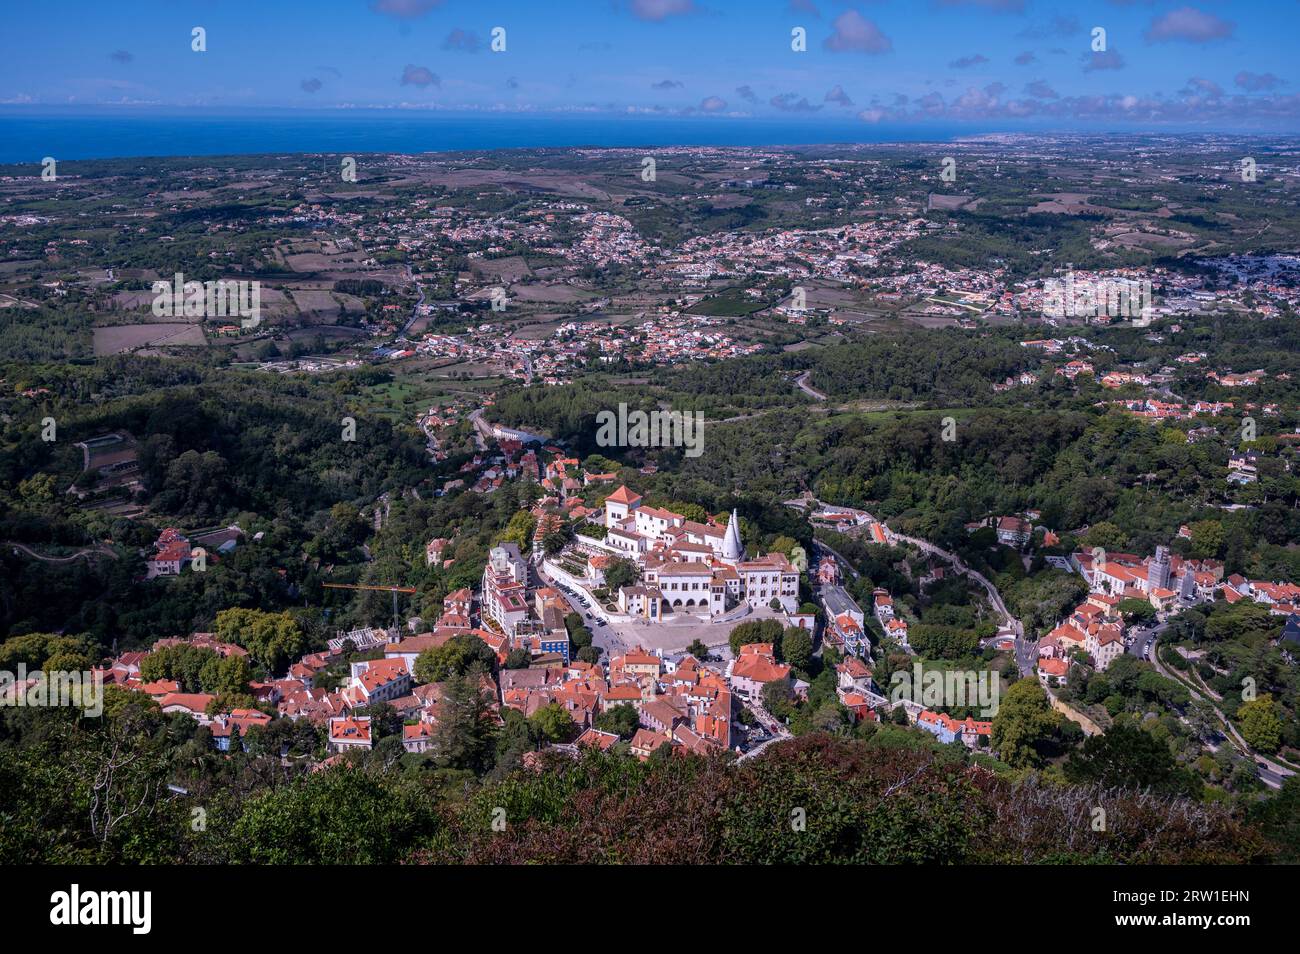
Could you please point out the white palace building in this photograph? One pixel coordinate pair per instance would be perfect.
(691, 567)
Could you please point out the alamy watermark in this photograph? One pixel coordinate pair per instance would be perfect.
(942, 689)
(133, 909)
(624, 428)
(36, 689)
(1095, 298)
(219, 299)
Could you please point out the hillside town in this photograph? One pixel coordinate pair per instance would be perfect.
(680, 700)
(527, 614)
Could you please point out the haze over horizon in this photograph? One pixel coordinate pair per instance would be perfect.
(941, 65)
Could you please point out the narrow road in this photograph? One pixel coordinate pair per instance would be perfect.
(821, 544)
(415, 311)
(808, 389)
(1270, 773)
(740, 417)
(769, 722)
(1143, 639)
(758, 749)
(88, 552)
(1026, 649)
(482, 429)
(431, 442)
(995, 598)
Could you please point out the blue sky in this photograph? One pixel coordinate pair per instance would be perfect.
(1208, 64)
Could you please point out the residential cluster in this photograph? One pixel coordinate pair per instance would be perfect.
(1097, 629)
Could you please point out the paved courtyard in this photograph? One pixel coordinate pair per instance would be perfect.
(675, 633)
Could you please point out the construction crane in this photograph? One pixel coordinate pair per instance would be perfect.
(383, 588)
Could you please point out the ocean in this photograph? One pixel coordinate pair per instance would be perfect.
(27, 136)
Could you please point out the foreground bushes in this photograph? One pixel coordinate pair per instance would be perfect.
(817, 799)
(101, 795)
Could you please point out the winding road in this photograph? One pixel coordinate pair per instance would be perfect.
(101, 550)
(808, 389)
(1271, 773)
(1026, 650)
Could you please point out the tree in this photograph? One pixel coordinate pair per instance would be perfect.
(1279, 817)
(385, 721)
(620, 572)
(942, 642)
(831, 717)
(1157, 688)
(621, 719)
(463, 739)
(797, 647)
(37, 492)
(123, 778)
(196, 483)
(552, 723)
(1043, 598)
(1203, 720)
(1244, 620)
(338, 816)
(455, 657)
(1135, 610)
(225, 674)
(183, 664)
(581, 637)
(1025, 722)
(691, 511)
(776, 697)
(518, 659)
(344, 529)
(37, 650)
(1105, 535)
(1260, 725)
(698, 650)
(520, 529)
(1207, 538)
(272, 639)
(1125, 756)
(784, 544)
(755, 631)
(555, 541)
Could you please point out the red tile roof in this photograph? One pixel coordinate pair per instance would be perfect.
(624, 496)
